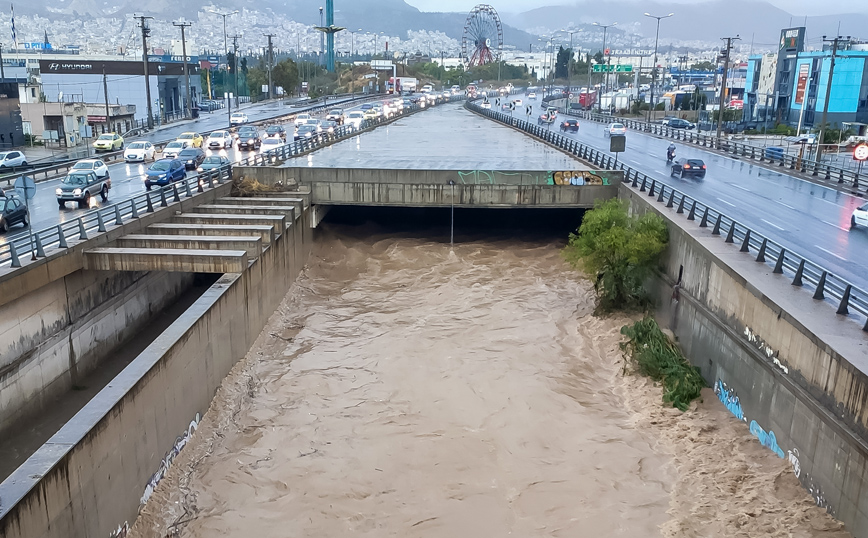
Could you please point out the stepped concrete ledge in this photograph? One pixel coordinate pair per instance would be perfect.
(277, 221)
(265, 232)
(252, 244)
(165, 259)
(219, 209)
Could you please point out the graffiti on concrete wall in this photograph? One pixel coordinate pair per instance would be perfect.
(580, 178)
(766, 438)
(765, 349)
(166, 462)
(729, 399)
(793, 456)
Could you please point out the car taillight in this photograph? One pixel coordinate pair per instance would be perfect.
(703, 167)
(686, 166)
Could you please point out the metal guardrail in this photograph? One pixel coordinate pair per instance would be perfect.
(95, 221)
(741, 149)
(50, 172)
(804, 272)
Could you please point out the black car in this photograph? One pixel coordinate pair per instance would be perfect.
(12, 211)
(678, 123)
(191, 157)
(570, 125)
(248, 138)
(689, 168)
(276, 130)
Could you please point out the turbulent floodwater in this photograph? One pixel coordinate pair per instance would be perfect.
(406, 389)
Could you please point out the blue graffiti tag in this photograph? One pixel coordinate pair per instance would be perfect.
(767, 439)
(729, 399)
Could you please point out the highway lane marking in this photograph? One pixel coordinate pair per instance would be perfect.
(842, 258)
(830, 203)
(737, 186)
(785, 205)
(727, 203)
(772, 224)
(834, 225)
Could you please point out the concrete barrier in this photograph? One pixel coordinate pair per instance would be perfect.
(774, 356)
(92, 476)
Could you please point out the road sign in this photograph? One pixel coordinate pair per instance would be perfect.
(26, 187)
(382, 64)
(625, 68)
(603, 68)
(860, 152)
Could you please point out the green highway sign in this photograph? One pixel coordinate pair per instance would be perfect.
(602, 68)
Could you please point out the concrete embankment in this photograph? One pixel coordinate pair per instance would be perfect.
(779, 360)
(91, 477)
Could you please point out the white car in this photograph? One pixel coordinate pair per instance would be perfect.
(172, 149)
(485, 104)
(860, 217)
(271, 143)
(91, 165)
(355, 118)
(615, 129)
(237, 118)
(219, 140)
(301, 119)
(139, 152)
(517, 102)
(8, 159)
(531, 96)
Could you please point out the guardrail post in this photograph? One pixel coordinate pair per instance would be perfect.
(797, 280)
(761, 255)
(653, 185)
(187, 185)
(716, 230)
(660, 197)
(163, 202)
(61, 241)
(745, 245)
(692, 214)
(175, 196)
(845, 301)
(680, 209)
(135, 210)
(118, 220)
(40, 252)
(779, 264)
(821, 288)
(82, 232)
(635, 180)
(200, 181)
(671, 201)
(642, 188)
(730, 235)
(100, 221)
(704, 222)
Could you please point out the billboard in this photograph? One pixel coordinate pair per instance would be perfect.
(802, 84)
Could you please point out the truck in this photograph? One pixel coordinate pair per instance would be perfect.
(399, 85)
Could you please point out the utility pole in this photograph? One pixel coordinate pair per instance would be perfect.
(604, 85)
(720, 106)
(270, 65)
(184, 25)
(145, 33)
(654, 65)
(834, 43)
(2, 74)
(235, 39)
(105, 91)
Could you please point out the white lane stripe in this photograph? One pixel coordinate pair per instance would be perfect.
(737, 186)
(772, 224)
(842, 258)
(727, 203)
(834, 225)
(828, 202)
(785, 205)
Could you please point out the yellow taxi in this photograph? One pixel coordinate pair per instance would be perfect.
(108, 142)
(371, 114)
(192, 139)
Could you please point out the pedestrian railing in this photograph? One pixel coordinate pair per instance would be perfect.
(736, 148)
(34, 245)
(804, 272)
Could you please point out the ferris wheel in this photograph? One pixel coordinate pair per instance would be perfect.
(482, 42)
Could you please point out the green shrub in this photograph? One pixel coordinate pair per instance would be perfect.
(661, 360)
(619, 251)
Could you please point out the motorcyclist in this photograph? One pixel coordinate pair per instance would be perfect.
(670, 152)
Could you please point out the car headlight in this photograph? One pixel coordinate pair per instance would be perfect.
(58, 191)
(250, 141)
(76, 192)
(199, 169)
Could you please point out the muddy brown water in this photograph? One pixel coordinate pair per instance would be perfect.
(404, 388)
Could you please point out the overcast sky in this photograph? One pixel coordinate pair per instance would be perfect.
(794, 7)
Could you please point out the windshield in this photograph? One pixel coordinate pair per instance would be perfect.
(83, 166)
(271, 142)
(105, 137)
(218, 134)
(272, 130)
(161, 166)
(186, 136)
(237, 114)
(75, 179)
(212, 160)
(174, 145)
(306, 128)
(617, 126)
(356, 114)
(336, 112)
(137, 145)
(188, 153)
(3, 156)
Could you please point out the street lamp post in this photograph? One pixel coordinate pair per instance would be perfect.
(605, 85)
(654, 67)
(224, 15)
(569, 62)
(321, 37)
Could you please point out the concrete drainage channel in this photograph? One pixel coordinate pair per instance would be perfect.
(92, 477)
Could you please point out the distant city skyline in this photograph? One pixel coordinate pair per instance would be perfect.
(794, 7)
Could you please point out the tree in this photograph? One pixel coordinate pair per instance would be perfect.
(285, 75)
(619, 251)
(562, 62)
(704, 66)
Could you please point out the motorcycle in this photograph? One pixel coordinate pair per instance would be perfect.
(670, 156)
